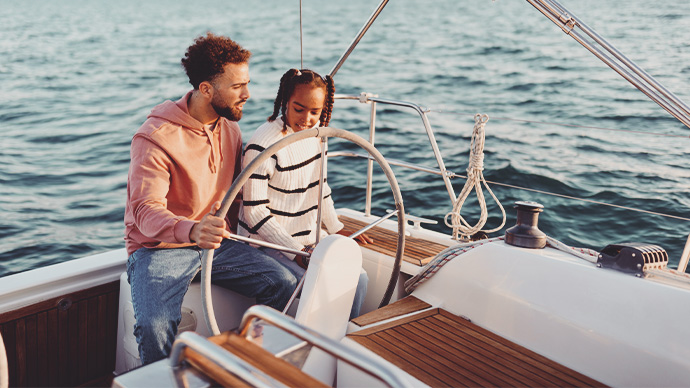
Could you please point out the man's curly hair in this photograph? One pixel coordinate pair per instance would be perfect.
(205, 59)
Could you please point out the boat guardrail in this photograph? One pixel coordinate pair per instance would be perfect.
(220, 357)
(422, 111)
(361, 361)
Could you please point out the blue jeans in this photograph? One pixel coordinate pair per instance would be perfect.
(160, 278)
(298, 271)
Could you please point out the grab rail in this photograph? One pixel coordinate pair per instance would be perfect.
(358, 360)
(220, 357)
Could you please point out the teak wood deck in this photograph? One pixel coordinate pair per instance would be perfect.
(417, 251)
(280, 370)
(441, 350)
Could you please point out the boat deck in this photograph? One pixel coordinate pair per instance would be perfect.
(417, 251)
(442, 349)
(278, 369)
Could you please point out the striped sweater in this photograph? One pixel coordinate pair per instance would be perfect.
(280, 199)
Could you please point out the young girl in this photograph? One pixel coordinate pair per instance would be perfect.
(280, 199)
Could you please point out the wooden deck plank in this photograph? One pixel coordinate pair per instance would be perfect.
(554, 369)
(442, 349)
(408, 366)
(434, 358)
(507, 365)
(417, 251)
(463, 356)
(401, 321)
(406, 305)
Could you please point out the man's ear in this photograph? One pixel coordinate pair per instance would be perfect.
(206, 89)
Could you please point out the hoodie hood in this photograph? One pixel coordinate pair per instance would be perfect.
(176, 113)
(172, 128)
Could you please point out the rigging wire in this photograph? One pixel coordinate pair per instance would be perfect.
(586, 200)
(564, 125)
(301, 50)
(451, 175)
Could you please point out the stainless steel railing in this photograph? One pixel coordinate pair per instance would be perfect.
(608, 54)
(368, 98)
(366, 364)
(254, 376)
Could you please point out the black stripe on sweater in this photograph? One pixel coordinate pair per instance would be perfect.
(258, 148)
(255, 203)
(302, 233)
(288, 214)
(255, 229)
(298, 165)
(261, 177)
(298, 190)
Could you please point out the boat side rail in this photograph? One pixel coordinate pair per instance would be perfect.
(356, 359)
(372, 99)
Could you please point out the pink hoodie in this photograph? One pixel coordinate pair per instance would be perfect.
(177, 171)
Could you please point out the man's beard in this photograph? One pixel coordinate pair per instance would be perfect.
(230, 113)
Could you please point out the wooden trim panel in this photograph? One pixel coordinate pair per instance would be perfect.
(442, 349)
(263, 360)
(417, 251)
(406, 305)
(68, 340)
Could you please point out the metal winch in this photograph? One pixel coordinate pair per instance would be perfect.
(525, 233)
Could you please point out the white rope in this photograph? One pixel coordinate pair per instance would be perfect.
(475, 177)
(583, 253)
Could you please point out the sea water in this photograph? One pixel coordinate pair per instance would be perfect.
(79, 77)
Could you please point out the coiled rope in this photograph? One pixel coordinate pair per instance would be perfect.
(475, 177)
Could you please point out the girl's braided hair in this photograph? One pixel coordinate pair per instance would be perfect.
(290, 80)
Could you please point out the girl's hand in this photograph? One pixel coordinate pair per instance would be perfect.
(303, 261)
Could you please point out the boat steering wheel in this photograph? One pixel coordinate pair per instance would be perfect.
(323, 132)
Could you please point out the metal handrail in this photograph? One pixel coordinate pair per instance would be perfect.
(422, 111)
(220, 357)
(361, 361)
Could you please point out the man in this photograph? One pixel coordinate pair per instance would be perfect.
(183, 160)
